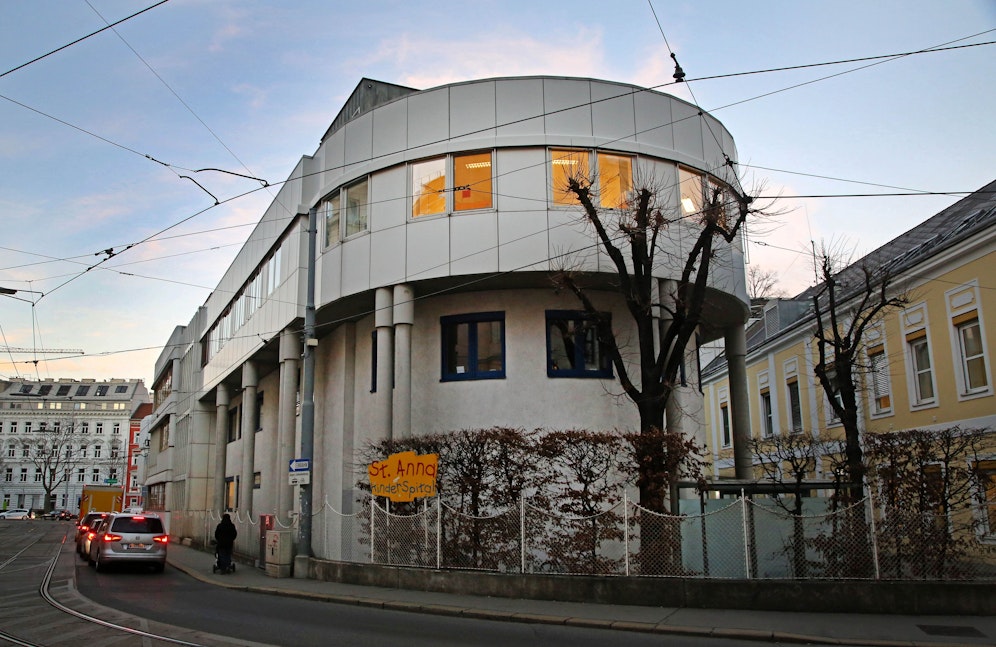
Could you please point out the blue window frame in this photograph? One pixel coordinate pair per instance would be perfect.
(574, 344)
(473, 346)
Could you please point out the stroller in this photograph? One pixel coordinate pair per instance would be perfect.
(223, 561)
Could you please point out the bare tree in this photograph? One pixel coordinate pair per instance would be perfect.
(846, 305)
(638, 237)
(763, 284)
(51, 452)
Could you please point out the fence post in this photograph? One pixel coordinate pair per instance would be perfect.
(373, 535)
(626, 531)
(743, 502)
(874, 533)
(522, 534)
(439, 533)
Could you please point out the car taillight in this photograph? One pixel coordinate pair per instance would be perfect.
(110, 537)
(84, 528)
(161, 539)
(91, 535)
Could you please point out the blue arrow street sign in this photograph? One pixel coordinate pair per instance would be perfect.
(300, 465)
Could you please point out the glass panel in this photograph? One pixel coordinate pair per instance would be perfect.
(561, 333)
(429, 187)
(332, 234)
(924, 381)
(457, 350)
(567, 164)
(727, 437)
(489, 346)
(356, 208)
(973, 356)
(691, 191)
(615, 180)
(795, 404)
(472, 182)
(880, 382)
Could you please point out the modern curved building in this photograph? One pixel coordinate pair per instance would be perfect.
(441, 217)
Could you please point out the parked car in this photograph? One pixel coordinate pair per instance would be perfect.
(17, 513)
(128, 538)
(58, 515)
(85, 525)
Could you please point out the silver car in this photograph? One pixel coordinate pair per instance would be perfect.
(16, 513)
(128, 538)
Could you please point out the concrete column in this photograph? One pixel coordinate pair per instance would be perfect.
(384, 321)
(222, 400)
(290, 355)
(404, 320)
(250, 418)
(736, 364)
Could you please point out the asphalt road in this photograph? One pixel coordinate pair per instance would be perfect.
(175, 598)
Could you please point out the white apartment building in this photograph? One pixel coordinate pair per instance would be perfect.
(69, 433)
(441, 219)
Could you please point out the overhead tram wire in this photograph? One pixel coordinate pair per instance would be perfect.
(219, 202)
(81, 39)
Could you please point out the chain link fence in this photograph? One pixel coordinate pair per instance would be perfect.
(715, 538)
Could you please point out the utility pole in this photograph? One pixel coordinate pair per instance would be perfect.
(307, 406)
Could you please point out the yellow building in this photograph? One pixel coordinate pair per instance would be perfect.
(926, 366)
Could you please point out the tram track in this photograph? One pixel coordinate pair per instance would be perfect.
(40, 606)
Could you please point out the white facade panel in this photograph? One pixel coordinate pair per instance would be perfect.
(359, 139)
(428, 118)
(519, 109)
(328, 276)
(428, 249)
(472, 112)
(523, 241)
(613, 114)
(521, 183)
(687, 125)
(475, 243)
(356, 265)
(388, 256)
(567, 104)
(654, 127)
(390, 128)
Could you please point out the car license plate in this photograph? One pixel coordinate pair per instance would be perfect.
(136, 546)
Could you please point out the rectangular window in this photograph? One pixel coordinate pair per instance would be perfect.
(8, 474)
(116, 428)
(24, 475)
(878, 373)
(95, 476)
(231, 492)
(44, 389)
(330, 210)
(795, 406)
(63, 390)
(27, 427)
(84, 427)
(82, 390)
(81, 475)
(121, 389)
(472, 182)
(690, 184)
(357, 205)
(767, 418)
(567, 165)
(615, 180)
(923, 375)
(234, 424)
(96, 451)
(724, 413)
(473, 346)
(429, 187)
(973, 357)
(574, 344)
(13, 426)
(100, 428)
(38, 475)
(102, 390)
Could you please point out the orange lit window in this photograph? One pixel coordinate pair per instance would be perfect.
(472, 181)
(615, 180)
(567, 165)
(691, 192)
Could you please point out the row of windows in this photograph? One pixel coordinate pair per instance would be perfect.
(473, 345)
(465, 182)
(57, 428)
(971, 366)
(81, 474)
(76, 406)
(83, 389)
(68, 452)
(259, 286)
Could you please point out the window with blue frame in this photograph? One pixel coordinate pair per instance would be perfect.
(473, 346)
(574, 344)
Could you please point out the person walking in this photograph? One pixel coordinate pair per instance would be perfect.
(224, 538)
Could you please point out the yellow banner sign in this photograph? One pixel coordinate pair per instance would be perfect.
(404, 477)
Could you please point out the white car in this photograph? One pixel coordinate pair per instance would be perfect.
(16, 513)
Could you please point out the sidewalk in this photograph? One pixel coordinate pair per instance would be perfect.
(812, 628)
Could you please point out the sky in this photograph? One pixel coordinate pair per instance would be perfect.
(109, 248)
